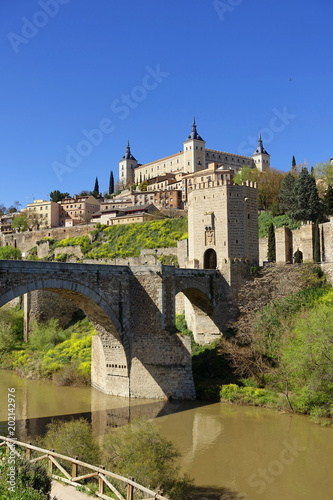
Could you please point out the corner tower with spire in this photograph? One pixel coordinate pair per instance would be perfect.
(126, 168)
(194, 151)
(260, 157)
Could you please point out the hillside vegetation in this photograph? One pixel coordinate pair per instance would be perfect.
(104, 242)
(283, 341)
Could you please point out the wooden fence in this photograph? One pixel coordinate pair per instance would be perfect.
(103, 476)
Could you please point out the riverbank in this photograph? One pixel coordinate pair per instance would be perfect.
(63, 355)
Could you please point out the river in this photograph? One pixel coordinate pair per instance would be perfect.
(262, 454)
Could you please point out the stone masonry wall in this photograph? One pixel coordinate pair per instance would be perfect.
(303, 239)
(28, 239)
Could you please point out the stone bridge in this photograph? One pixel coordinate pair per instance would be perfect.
(137, 352)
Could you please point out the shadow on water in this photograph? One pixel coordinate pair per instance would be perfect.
(101, 420)
(214, 494)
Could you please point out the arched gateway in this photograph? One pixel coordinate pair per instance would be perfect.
(136, 352)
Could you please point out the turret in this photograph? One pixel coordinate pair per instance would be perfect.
(194, 151)
(260, 157)
(126, 168)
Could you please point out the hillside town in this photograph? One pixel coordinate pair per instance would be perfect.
(143, 190)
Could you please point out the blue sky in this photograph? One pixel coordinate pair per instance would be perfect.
(140, 70)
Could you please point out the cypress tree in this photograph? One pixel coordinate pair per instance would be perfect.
(306, 204)
(294, 167)
(317, 243)
(328, 200)
(293, 163)
(286, 195)
(271, 253)
(111, 183)
(96, 188)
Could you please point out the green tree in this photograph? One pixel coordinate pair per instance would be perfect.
(328, 201)
(3, 209)
(95, 192)
(286, 195)
(245, 174)
(293, 163)
(317, 243)
(111, 183)
(56, 195)
(306, 204)
(143, 186)
(324, 172)
(271, 253)
(9, 252)
(139, 450)
(20, 222)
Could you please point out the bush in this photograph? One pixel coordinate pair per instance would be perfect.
(73, 439)
(11, 328)
(32, 480)
(10, 252)
(139, 450)
(308, 361)
(44, 336)
(248, 395)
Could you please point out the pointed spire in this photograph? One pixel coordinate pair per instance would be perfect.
(128, 155)
(194, 134)
(260, 149)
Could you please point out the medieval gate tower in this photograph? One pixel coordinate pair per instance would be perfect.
(222, 225)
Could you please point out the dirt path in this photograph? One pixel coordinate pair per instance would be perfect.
(61, 491)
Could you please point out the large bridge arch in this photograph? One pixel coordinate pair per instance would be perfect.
(111, 361)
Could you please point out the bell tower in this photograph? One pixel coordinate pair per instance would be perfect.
(194, 151)
(261, 157)
(126, 168)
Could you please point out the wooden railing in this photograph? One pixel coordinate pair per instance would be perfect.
(103, 476)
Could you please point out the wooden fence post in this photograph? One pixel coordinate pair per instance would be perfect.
(74, 468)
(130, 490)
(28, 454)
(101, 483)
(51, 465)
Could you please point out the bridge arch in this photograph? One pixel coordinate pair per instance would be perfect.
(82, 295)
(200, 313)
(110, 347)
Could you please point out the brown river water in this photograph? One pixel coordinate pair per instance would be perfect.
(259, 453)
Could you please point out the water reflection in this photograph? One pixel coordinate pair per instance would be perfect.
(39, 401)
(258, 453)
